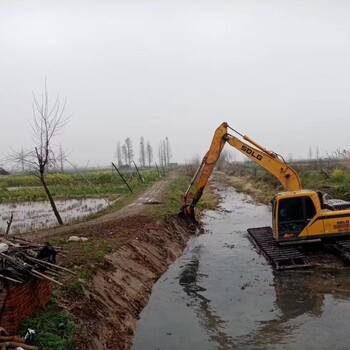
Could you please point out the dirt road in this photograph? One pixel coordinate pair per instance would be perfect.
(152, 195)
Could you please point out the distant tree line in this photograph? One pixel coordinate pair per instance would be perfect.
(125, 153)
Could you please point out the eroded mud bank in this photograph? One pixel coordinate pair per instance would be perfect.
(120, 288)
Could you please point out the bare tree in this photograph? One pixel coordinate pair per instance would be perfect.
(125, 154)
(310, 153)
(149, 152)
(168, 151)
(195, 160)
(224, 159)
(341, 154)
(161, 153)
(22, 159)
(47, 122)
(317, 153)
(118, 154)
(164, 152)
(142, 152)
(129, 150)
(61, 156)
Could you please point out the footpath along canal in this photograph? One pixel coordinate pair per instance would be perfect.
(221, 294)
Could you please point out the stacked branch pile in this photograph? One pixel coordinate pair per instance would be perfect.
(27, 272)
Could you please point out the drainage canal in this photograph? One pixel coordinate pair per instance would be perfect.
(221, 294)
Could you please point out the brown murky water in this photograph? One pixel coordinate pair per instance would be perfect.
(221, 294)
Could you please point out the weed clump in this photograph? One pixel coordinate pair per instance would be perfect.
(55, 329)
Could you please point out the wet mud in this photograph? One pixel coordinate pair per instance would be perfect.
(222, 294)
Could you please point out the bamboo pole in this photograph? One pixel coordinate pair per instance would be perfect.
(39, 274)
(122, 178)
(9, 225)
(10, 279)
(137, 169)
(53, 265)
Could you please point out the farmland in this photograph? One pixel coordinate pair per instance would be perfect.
(96, 183)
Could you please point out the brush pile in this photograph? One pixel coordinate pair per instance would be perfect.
(20, 260)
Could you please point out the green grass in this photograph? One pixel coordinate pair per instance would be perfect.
(74, 185)
(172, 198)
(54, 328)
(335, 182)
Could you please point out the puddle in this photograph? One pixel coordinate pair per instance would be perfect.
(31, 216)
(221, 294)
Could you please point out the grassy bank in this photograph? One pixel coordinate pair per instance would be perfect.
(254, 180)
(173, 196)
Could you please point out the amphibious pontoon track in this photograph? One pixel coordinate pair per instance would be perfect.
(281, 257)
(342, 248)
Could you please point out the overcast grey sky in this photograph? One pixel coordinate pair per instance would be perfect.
(277, 71)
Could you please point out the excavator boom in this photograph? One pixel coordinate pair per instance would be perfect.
(270, 161)
(267, 159)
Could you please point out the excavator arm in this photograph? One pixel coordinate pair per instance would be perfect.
(269, 160)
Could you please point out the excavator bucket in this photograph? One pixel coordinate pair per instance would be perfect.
(187, 214)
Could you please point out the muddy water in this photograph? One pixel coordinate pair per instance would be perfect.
(221, 294)
(31, 216)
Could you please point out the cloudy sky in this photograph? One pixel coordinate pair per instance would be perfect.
(277, 71)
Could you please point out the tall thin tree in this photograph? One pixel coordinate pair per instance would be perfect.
(168, 151)
(60, 158)
(161, 153)
(142, 152)
(125, 154)
(149, 153)
(22, 159)
(119, 154)
(129, 150)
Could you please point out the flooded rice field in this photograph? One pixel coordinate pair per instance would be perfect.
(221, 294)
(31, 216)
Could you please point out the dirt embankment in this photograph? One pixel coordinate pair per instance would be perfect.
(120, 289)
(126, 252)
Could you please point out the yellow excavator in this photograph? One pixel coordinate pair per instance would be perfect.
(297, 215)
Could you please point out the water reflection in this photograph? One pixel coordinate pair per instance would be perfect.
(210, 321)
(31, 216)
(293, 299)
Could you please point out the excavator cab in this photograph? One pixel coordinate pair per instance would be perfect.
(292, 212)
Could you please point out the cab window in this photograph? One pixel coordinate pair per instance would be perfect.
(294, 214)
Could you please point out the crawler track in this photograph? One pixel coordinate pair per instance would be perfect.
(342, 248)
(281, 257)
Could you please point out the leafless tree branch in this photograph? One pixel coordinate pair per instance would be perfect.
(46, 123)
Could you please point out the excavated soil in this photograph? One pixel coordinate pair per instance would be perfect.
(141, 249)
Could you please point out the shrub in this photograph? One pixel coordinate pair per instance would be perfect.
(338, 175)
